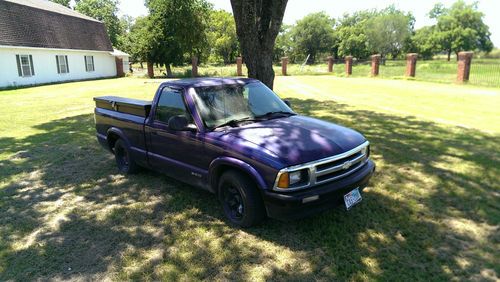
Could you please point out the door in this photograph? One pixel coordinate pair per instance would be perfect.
(175, 153)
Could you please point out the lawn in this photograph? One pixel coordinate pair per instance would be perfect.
(432, 211)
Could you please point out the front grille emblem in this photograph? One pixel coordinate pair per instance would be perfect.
(346, 165)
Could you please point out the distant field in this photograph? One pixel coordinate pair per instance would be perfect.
(484, 72)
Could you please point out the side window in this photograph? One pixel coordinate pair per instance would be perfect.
(89, 63)
(25, 65)
(62, 64)
(170, 104)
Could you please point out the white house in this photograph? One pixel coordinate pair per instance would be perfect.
(44, 42)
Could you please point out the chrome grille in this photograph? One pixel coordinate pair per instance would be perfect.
(339, 168)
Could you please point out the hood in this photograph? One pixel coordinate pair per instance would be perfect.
(299, 139)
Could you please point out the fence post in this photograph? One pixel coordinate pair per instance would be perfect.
(239, 61)
(330, 63)
(411, 64)
(348, 65)
(375, 64)
(194, 66)
(151, 72)
(284, 63)
(464, 61)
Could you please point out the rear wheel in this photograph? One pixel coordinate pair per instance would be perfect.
(240, 199)
(124, 161)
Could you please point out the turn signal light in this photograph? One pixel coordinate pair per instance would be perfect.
(284, 181)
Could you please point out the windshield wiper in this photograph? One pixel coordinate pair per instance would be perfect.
(276, 113)
(235, 122)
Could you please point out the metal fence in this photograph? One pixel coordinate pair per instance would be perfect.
(485, 72)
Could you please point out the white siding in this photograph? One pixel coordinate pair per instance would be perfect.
(45, 67)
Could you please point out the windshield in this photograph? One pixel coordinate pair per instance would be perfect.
(220, 104)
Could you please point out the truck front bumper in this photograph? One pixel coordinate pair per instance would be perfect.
(297, 204)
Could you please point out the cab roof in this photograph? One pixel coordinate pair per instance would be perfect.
(208, 81)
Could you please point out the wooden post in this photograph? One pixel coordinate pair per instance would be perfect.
(239, 61)
(464, 61)
(194, 66)
(284, 63)
(375, 64)
(348, 65)
(119, 67)
(151, 72)
(330, 64)
(411, 64)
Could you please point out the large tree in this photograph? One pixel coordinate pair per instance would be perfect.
(180, 30)
(313, 35)
(105, 11)
(388, 31)
(424, 42)
(222, 39)
(351, 34)
(461, 28)
(258, 23)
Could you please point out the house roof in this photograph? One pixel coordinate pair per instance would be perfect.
(41, 23)
(118, 53)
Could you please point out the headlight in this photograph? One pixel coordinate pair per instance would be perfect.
(294, 178)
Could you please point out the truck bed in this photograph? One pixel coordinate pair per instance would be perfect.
(123, 118)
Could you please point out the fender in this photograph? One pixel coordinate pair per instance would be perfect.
(236, 163)
(118, 132)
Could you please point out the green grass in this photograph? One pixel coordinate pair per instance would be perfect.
(484, 72)
(431, 212)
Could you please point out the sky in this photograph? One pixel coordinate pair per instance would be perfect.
(296, 9)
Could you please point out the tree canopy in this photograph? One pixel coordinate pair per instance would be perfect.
(221, 37)
(461, 28)
(388, 31)
(314, 34)
(175, 30)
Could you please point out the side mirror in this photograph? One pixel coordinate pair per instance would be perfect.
(180, 123)
(287, 103)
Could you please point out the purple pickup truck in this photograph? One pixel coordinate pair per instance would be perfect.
(237, 139)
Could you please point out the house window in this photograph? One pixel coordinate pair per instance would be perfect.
(62, 64)
(89, 63)
(25, 65)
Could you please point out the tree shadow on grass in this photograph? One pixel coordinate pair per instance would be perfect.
(431, 212)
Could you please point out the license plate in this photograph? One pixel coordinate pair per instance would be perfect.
(352, 198)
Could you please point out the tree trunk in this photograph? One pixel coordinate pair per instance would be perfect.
(169, 70)
(257, 25)
(449, 55)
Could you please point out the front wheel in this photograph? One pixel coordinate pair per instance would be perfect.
(124, 161)
(240, 199)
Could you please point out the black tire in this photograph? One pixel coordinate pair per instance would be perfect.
(240, 199)
(124, 161)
